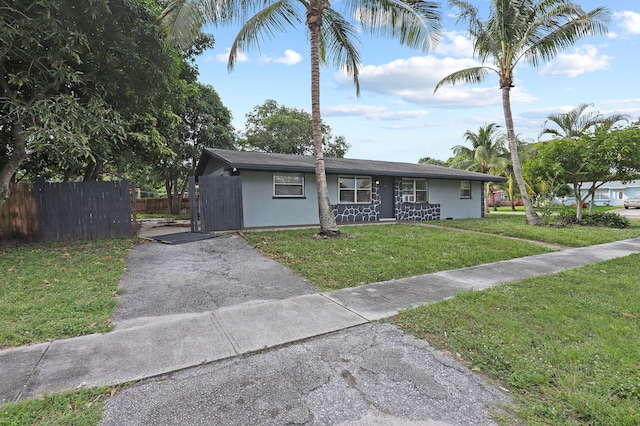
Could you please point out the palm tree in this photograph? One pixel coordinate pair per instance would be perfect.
(486, 155)
(575, 123)
(521, 30)
(415, 23)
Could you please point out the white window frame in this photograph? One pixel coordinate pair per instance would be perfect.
(276, 184)
(355, 189)
(412, 195)
(465, 191)
(601, 194)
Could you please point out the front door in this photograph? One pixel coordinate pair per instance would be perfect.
(385, 191)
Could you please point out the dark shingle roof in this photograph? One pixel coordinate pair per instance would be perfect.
(251, 160)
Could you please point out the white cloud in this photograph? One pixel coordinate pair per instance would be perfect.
(583, 59)
(412, 80)
(629, 20)
(290, 58)
(224, 57)
(455, 43)
(414, 73)
(372, 112)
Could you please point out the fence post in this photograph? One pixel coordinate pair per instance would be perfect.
(193, 205)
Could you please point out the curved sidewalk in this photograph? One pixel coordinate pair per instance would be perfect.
(148, 347)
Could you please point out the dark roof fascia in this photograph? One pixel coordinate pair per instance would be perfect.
(253, 166)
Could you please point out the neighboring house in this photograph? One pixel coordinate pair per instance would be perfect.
(614, 193)
(280, 189)
(609, 194)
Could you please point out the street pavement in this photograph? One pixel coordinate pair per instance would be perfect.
(214, 333)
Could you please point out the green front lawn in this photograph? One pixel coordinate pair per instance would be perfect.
(515, 226)
(566, 346)
(53, 291)
(372, 253)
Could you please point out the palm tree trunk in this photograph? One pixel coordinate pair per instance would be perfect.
(487, 197)
(532, 216)
(328, 226)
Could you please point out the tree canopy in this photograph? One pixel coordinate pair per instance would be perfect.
(589, 161)
(90, 88)
(271, 127)
(83, 85)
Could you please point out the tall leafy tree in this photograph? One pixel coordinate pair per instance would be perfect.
(38, 55)
(332, 39)
(590, 160)
(271, 127)
(578, 121)
(487, 154)
(433, 161)
(204, 122)
(83, 86)
(521, 31)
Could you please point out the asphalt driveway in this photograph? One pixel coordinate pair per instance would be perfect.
(202, 276)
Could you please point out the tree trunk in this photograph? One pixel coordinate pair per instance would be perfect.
(532, 216)
(328, 226)
(487, 198)
(18, 155)
(174, 196)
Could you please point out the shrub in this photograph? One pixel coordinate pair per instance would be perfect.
(567, 217)
(607, 219)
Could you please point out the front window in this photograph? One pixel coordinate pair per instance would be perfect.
(465, 189)
(601, 195)
(414, 190)
(355, 189)
(289, 185)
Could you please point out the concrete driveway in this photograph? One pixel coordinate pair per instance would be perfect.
(371, 374)
(629, 213)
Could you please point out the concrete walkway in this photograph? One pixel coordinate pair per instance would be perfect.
(148, 347)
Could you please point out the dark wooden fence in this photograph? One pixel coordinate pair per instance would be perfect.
(158, 205)
(216, 204)
(18, 215)
(67, 211)
(82, 210)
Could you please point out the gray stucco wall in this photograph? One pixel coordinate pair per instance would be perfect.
(262, 209)
(447, 194)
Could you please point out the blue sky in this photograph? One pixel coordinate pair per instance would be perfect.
(397, 117)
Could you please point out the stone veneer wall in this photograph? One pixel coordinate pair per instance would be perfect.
(413, 211)
(359, 212)
(370, 212)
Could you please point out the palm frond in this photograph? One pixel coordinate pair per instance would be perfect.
(337, 41)
(263, 25)
(469, 75)
(414, 23)
(559, 28)
(181, 22)
(484, 43)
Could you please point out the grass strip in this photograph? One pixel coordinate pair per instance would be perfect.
(83, 407)
(515, 226)
(373, 253)
(566, 345)
(53, 291)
